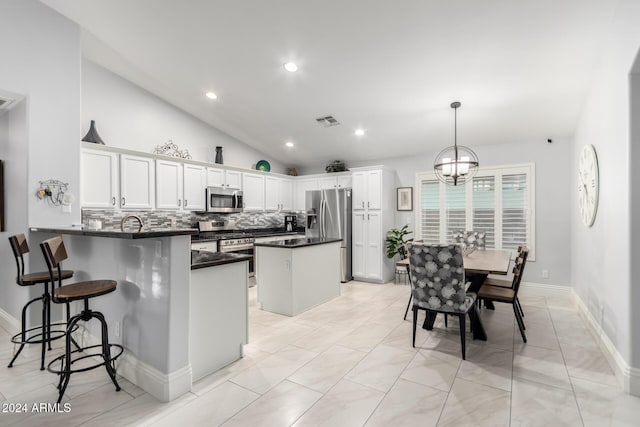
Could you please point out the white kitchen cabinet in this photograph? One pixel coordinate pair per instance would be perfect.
(168, 184)
(301, 187)
(137, 182)
(224, 178)
(367, 189)
(194, 188)
(373, 216)
(253, 191)
(341, 181)
(278, 193)
(98, 179)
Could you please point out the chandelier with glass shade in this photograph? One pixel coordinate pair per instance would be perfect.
(456, 164)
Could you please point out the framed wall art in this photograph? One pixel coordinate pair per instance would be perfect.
(404, 198)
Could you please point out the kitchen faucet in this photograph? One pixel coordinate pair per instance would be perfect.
(126, 217)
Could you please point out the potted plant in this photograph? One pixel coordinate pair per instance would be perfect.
(396, 241)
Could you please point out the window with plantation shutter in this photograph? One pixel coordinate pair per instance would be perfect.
(430, 211)
(498, 201)
(483, 196)
(455, 210)
(515, 195)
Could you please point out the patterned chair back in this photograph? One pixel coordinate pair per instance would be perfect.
(470, 239)
(437, 278)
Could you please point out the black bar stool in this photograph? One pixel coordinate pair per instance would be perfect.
(46, 334)
(54, 253)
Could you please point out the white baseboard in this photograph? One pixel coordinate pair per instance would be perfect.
(544, 290)
(164, 387)
(8, 322)
(628, 376)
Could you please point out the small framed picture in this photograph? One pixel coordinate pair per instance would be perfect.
(405, 198)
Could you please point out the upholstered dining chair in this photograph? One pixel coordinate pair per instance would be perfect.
(509, 295)
(470, 239)
(438, 284)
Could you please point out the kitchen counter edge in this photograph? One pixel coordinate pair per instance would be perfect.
(144, 234)
(296, 243)
(204, 259)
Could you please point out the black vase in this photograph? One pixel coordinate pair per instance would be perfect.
(92, 135)
(219, 155)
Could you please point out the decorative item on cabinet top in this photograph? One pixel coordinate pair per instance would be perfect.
(92, 135)
(172, 150)
(292, 171)
(336, 166)
(263, 165)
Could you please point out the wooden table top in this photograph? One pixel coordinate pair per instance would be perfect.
(489, 261)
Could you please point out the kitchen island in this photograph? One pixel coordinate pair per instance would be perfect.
(149, 313)
(295, 275)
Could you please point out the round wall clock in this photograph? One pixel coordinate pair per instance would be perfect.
(588, 185)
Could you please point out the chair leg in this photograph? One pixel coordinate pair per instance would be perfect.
(463, 331)
(66, 369)
(519, 307)
(408, 305)
(446, 323)
(73, 341)
(44, 330)
(520, 322)
(415, 322)
(106, 350)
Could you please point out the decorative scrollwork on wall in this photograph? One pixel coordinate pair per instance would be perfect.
(171, 149)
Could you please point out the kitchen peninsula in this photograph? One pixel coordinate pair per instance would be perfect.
(295, 275)
(166, 340)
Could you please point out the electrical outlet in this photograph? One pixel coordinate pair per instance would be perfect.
(117, 328)
(545, 274)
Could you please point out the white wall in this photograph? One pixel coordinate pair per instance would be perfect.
(128, 116)
(553, 213)
(40, 53)
(600, 258)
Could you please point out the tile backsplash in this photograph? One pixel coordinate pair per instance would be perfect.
(111, 218)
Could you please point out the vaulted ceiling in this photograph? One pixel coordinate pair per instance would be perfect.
(520, 68)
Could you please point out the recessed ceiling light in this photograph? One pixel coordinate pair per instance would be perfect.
(289, 144)
(211, 95)
(359, 132)
(291, 67)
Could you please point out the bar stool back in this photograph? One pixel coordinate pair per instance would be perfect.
(54, 253)
(20, 247)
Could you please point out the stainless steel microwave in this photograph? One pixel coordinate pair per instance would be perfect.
(224, 200)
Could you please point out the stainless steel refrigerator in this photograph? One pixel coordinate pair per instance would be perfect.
(328, 215)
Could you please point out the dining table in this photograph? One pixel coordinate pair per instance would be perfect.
(478, 265)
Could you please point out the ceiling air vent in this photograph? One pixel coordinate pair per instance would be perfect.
(327, 121)
(5, 103)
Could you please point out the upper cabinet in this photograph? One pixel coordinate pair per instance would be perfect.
(367, 189)
(137, 182)
(98, 179)
(278, 193)
(253, 191)
(169, 192)
(194, 187)
(224, 178)
(343, 181)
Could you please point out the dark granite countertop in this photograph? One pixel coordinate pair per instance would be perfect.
(203, 259)
(209, 237)
(144, 234)
(296, 243)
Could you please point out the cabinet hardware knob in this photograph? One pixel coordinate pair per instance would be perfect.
(113, 201)
(179, 202)
(368, 205)
(368, 217)
(363, 204)
(123, 201)
(185, 203)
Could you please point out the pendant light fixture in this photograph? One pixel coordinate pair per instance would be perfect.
(457, 164)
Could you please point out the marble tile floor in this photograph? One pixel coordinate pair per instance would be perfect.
(350, 362)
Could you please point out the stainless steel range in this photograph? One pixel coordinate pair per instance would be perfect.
(228, 240)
